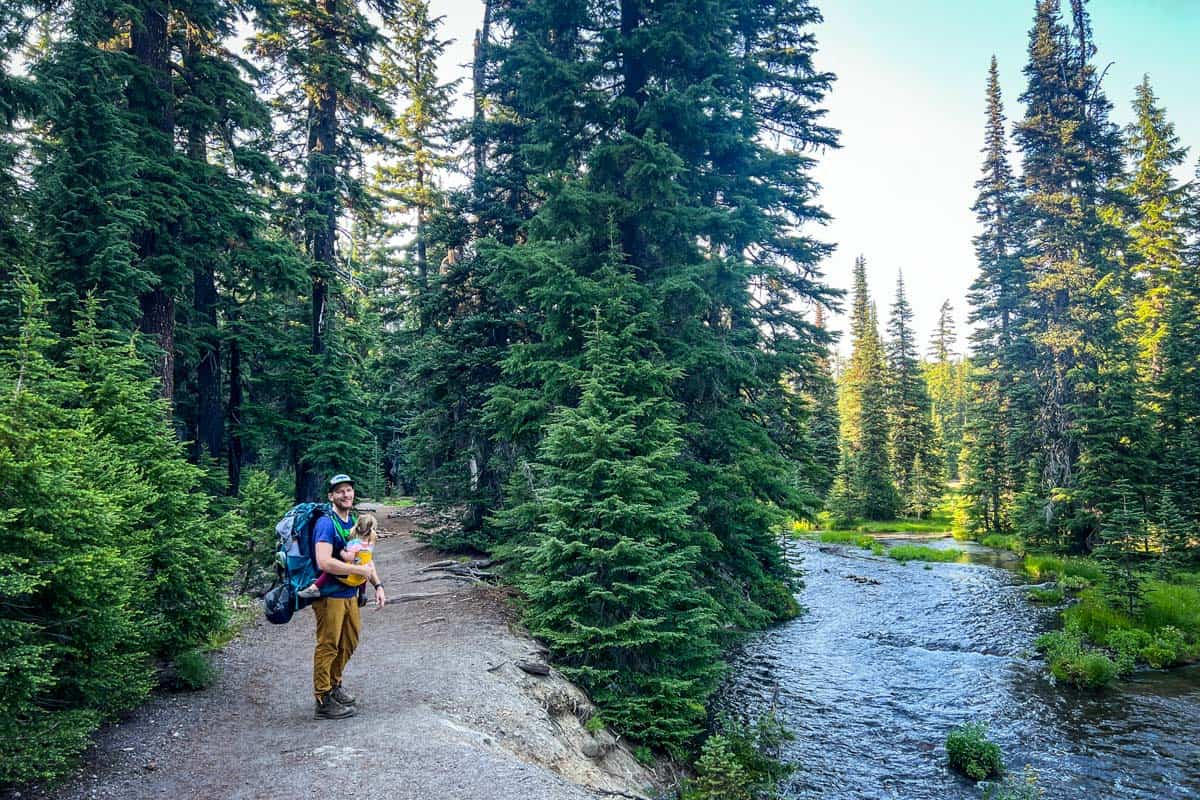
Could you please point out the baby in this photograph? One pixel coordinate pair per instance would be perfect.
(357, 551)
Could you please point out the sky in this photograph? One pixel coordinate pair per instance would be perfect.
(909, 101)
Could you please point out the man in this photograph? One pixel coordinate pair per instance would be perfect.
(338, 621)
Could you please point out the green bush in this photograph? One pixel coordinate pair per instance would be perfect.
(740, 760)
(1072, 662)
(719, 775)
(970, 752)
(1168, 648)
(259, 506)
(913, 552)
(1127, 646)
(1074, 583)
(193, 671)
(1050, 594)
(111, 559)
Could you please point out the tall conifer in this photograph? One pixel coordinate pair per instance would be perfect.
(997, 431)
(1088, 431)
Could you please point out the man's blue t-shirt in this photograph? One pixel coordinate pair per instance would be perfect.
(324, 531)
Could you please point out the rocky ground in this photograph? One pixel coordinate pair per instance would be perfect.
(444, 711)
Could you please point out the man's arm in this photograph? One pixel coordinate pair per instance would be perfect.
(380, 596)
(327, 563)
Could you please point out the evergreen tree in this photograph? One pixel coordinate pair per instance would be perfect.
(610, 570)
(863, 409)
(110, 557)
(1120, 538)
(821, 428)
(944, 335)
(324, 67)
(916, 453)
(997, 433)
(1156, 232)
(1177, 384)
(1177, 549)
(83, 208)
(1088, 429)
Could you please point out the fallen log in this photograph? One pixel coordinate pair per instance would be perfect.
(407, 598)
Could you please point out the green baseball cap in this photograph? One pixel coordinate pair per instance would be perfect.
(338, 479)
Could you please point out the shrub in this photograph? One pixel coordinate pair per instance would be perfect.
(1050, 594)
(193, 671)
(1167, 648)
(1072, 662)
(970, 752)
(719, 776)
(1074, 583)
(1127, 646)
(741, 760)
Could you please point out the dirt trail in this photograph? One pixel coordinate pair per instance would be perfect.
(444, 713)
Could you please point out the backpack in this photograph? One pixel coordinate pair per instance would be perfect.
(295, 561)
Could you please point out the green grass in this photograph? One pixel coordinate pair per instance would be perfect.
(1050, 595)
(912, 552)
(1172, 604)
(1041, 567)
(1004, 542)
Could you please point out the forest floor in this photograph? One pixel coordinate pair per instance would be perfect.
(443, 710)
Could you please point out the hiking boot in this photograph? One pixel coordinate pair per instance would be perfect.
(328, 708)
(340, 695)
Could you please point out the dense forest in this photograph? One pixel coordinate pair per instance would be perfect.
(244, 245)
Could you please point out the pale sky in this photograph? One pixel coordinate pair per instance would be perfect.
(909, 101)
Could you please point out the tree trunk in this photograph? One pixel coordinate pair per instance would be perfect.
(153, 98)
(235, 418)
(210, 423)
(478, 78)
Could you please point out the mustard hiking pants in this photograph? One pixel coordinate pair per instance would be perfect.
(338, 626)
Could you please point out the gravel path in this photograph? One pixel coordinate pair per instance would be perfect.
(443, 713)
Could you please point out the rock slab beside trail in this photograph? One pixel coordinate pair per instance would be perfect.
(444, 713)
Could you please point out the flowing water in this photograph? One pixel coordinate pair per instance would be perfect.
(890, 657)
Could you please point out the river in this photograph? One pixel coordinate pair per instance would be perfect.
(889, 657)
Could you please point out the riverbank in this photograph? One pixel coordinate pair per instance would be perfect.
(445, 711)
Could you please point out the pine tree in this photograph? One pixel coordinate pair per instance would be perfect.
(83, 209)
(863, 409)
(1121, 535)
(916, 453)
(17, 100)
(1177, 384)
(610, 570)
(997, 422)
(1089, 431)
(1156, 232)
(1174, 537)
(821, 428)
(324, 67)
